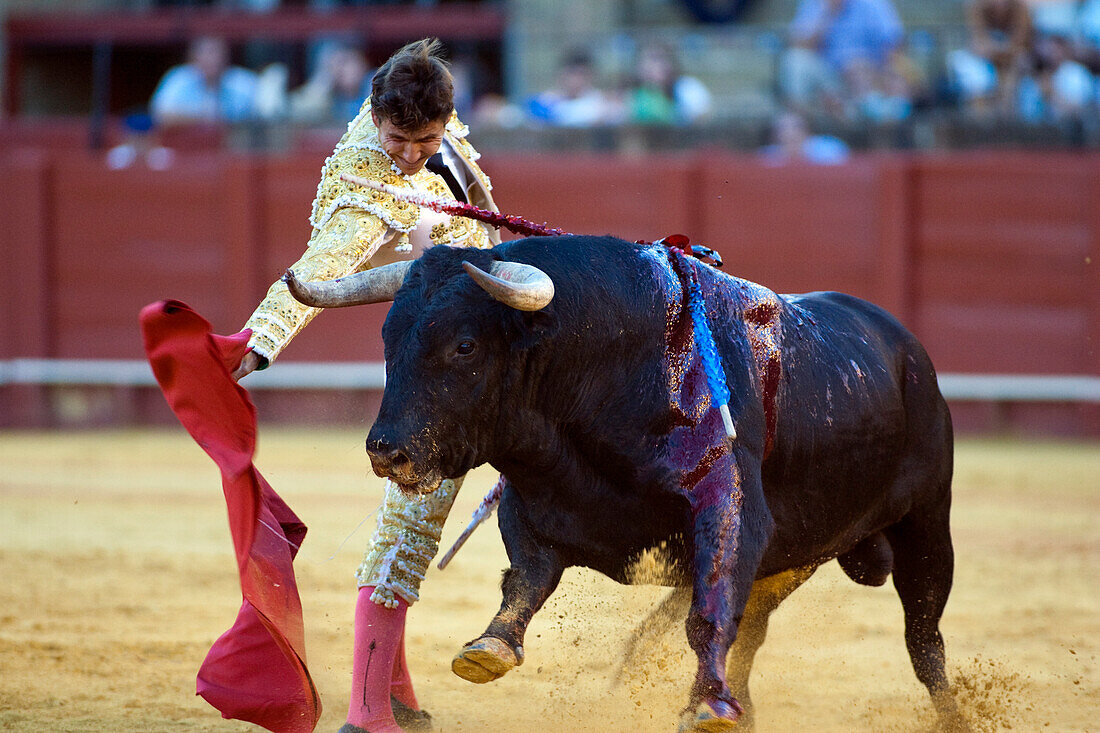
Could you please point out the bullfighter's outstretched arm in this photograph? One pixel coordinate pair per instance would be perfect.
(342, 246)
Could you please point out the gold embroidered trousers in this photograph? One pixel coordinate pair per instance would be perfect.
(405, 541)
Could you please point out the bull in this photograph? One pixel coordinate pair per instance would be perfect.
(571, 365)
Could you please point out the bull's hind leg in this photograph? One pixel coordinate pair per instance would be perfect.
(923, 566)
(765, 597)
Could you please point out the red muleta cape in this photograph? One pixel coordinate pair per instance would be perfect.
(256, 671)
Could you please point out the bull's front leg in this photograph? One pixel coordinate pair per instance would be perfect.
(534, 574)
(731, 528)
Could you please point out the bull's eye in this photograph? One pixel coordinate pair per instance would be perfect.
(465, 347)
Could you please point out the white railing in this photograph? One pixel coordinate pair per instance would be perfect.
(372, 375)
(137, 373)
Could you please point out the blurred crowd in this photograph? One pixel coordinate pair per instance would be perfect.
(1037, 61)
(207, 88)
(842, 61)
(657, 92)
(1030, 61)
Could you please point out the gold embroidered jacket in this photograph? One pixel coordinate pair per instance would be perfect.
(356, 228)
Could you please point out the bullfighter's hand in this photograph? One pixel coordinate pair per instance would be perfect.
(249, 364)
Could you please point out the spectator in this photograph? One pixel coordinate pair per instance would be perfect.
(792, 142)
(139, 144)
(662, 95)
(1062, 87)
(493, 110)
(575, 101)
(840, 52)
(1078, 21)
(879, 95)
(206, 89)
(1087, 41)
(987, 75)
(336, 91)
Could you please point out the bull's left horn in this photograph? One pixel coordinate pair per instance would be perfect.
(523, 287)
(378, 285)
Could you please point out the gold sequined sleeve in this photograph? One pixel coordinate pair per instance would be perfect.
(342, 245)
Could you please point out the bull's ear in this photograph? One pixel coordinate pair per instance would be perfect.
(538, 325)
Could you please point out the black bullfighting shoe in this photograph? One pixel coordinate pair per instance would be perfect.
(411, 721)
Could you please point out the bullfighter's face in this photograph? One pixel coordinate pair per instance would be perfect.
(410, 149)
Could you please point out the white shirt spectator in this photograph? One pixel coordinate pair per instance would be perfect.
(183, 93)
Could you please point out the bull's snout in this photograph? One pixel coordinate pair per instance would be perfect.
(395, 463)
(390, 462)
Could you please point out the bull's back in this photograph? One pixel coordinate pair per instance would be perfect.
(858, 405)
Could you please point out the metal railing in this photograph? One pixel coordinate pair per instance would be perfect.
(372, 376)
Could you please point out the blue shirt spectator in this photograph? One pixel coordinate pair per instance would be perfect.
(847, 31)
(206, 89)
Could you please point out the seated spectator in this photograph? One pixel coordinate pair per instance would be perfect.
(840, 52)
(575, 101)
(1077, 21)
(206, 89)
(140, 143)
(661, 95)
(879, 95)
(1062, 88)
(494, 110)
(987, 75)
(336, 91)
(1087, 40)
(792, 142)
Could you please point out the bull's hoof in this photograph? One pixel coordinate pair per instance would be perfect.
(484, 660)
(711, 717)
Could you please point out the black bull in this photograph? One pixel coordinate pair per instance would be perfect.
(596, 410)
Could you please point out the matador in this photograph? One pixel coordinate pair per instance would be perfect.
(406, 135)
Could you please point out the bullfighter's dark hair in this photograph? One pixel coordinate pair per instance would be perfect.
(414, 88)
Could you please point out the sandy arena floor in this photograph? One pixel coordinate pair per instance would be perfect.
(118, 574)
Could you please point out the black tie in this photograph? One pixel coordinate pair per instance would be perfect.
(436, 165)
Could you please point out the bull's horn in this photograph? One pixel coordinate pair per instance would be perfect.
(378, 285)
(523, 287)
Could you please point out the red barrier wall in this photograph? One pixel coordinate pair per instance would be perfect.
(1004, 262)
(990, 258)
(802, 228)
(118, 237)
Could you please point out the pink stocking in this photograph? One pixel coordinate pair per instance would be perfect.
(401, 685)
(379, 637)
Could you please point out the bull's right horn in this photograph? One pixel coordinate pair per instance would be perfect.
(377, 285)
(523, 287)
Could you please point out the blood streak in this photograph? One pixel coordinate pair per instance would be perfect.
(762, 317)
